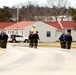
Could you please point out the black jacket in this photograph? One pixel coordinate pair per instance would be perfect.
(36, 36)
(5, 36)
(69, 38)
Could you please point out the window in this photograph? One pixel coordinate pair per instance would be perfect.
(48, 34)
(12, 32)
(19, 36)
(22, 32)
(8, 32)
(12, 36)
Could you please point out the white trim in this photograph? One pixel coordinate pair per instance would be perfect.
(60, 24)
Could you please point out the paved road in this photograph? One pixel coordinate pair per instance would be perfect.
(41, 61)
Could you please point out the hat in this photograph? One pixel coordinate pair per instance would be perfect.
(36, 31)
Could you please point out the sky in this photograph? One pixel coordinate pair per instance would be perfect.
(11, 3)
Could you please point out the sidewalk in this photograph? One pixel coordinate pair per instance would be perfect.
(2, 51)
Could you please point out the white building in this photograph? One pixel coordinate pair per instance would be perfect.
(48, 31)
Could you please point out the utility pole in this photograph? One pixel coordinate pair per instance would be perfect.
(17, 19)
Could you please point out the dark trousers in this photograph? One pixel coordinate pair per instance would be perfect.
(35, 43)
(63, 44)
(1, 42)
(31, 43)
(68, 45)
(4, 44)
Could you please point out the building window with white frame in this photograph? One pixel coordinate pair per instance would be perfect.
(48, 34)
(12, 32)
(22, 32)
(8, 32)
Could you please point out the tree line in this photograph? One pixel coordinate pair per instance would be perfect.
(34, 12)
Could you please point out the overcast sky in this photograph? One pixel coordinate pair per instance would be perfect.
(11, 3)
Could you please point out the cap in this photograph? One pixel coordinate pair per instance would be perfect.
(36, 31)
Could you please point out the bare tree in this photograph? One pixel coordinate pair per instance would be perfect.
(32, 11)
(58, 7)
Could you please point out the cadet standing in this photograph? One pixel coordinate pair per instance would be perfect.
(69, 40)
(36, 37)
(1, 39)
(31, 39)
(5, 38)
(63, 39)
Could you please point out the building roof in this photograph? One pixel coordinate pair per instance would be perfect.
(5, 24)
(62, 24)
(21, 24)
(68, 24)
(54, 24)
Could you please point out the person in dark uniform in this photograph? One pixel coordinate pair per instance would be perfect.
(1, 39)
(5, 38)
(31, 39)
(36, 37)
(69, 40)
(63, 39)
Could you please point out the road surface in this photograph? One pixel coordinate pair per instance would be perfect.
(42, 61)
